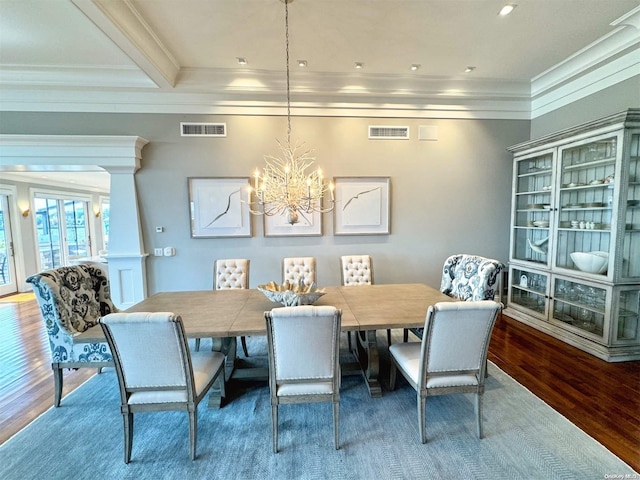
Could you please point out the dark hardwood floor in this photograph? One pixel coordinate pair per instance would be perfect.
(601, 398)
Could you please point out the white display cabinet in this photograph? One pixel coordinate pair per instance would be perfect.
(575, 236)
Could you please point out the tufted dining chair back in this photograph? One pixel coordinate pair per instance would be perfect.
(231, 273)
(295, 269)
(72, 299)
(356, 270)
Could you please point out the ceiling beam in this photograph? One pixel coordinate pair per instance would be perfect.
(123, 25)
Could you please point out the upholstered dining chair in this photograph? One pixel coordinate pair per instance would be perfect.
(160, 374)
(357, 270)
(452, 356)
(468, 278)
(304, 346)
(296, 269)
(72, 300)
(231, 273)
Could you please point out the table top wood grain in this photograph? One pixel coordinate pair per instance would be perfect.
(230, 313)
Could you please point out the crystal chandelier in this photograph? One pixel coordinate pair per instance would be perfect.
(287, 185)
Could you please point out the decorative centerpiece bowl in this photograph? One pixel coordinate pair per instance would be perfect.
(291, 294)
(591, 262)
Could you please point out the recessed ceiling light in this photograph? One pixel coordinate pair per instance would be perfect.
(302, 63)
(242, 61)
(469, 69)
(415, 66)
(507, 9)
(359, 65)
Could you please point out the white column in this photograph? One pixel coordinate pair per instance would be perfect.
(126, 257)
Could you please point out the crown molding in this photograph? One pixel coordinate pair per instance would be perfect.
(609, 60)
(606, 62)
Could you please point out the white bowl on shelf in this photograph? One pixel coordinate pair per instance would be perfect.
(591, 262)
(541, 223)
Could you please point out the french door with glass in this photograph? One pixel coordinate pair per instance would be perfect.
(7, 265)
(62, 229)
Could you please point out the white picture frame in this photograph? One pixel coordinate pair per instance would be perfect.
(218, 207)
(362, 206)
(309, 225)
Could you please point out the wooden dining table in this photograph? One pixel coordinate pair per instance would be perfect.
(224, 315)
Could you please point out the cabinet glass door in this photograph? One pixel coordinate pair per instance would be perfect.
(529, 291)
(532, 209)
(580, 305)
(628, 316)
(630, 268)
(585, 205)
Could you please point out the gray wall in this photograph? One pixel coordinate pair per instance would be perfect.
(447, 196)
(606, 102)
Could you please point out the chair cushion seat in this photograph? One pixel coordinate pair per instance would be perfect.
(407, 357)
(306, 388)
(205, 365)
(451, 381)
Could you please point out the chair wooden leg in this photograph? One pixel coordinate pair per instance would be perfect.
(193, 432)
(422, 407)
(243, 340)
(57, 385)
(392, 375)
(127, 418)
(336, 424)
(197, 344)
(478, 409)
(388, 336)
(274, 426)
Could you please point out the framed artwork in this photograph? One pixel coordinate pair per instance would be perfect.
(309, 224)
(218, 207)
(362, 206)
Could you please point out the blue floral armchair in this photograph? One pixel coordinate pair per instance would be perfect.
(469, 278)
(72, 300)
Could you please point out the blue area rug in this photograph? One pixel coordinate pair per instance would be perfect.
(524, 438)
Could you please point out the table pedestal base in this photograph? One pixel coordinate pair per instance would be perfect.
(228, 346)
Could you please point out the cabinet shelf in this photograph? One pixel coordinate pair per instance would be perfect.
(575, 209)
(585, 230)
(577, 304)
(532, 173)
(592, 163)
(527, 289)
(534, 192)
(586, 186)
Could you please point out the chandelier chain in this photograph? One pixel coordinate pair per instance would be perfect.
(286, 29)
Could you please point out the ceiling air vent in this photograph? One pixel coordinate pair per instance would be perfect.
(203, 129)
(388, 132)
